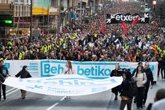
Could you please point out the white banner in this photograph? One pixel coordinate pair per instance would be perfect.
(64, 85)
(93, 70)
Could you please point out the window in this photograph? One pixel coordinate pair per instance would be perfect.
(16, 1)
(21, 1)
(16, 8)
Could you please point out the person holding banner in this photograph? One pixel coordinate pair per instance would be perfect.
(126, 90)
(69, 68)
(3, 74)
(68, 71)
(23, 74)
(116, 72)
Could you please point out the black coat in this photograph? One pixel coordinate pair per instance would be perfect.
(23, 74)
(149, 75)
(116, 73)
(124, 88)
(3, 73)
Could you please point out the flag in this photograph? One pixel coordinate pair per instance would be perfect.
(124, 25)
(134, 22)
(102, 27)
(125, 28)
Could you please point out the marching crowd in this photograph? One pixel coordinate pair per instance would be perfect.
(95, 41)
(135, 85)
(84, 41)
(143, 42)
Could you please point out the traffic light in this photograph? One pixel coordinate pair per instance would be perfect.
(6, 21)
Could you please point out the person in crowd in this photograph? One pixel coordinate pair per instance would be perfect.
(141, 79)
(159, 103)
(160, 64)
(69, 68)
(68, 71)
(125, 90)
(159, 100)
(3, 73)
(117, 73)
(133, 74)
(135, 70)
(23, 74)
(163, 68)
(149, 82)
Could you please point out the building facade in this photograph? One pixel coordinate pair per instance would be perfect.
(21, 16)
(48, 14)
(22, 13)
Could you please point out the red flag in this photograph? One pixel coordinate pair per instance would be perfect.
(102, 27)
(125, 28)
(124, 25)
(134, 22)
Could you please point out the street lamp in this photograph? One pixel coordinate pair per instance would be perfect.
(154, 4)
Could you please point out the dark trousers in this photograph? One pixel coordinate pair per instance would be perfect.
(140, 94)
(23, 94)
(115, 90)
(163, 73)
(124, 103)
(159, 68)
(145, 93)
(3, 89)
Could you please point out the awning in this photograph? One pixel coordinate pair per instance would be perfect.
(83, 1)
(54, 11)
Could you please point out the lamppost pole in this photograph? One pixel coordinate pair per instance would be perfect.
(94, 6)
(154, 2)
(81, 10)
(31, 17)
(60, 16)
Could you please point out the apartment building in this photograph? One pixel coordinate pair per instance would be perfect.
(22, 13)
(47, 14)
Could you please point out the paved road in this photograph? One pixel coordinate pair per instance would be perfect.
(101, 101)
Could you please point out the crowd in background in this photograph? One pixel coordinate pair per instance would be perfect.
(143, 42)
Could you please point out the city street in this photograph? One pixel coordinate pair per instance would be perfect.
(77, 54)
